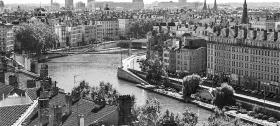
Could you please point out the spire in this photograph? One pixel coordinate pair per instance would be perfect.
(215, 8)
(204, 6)
(244, 19)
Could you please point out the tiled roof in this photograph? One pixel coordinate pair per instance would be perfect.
(32, 92)
(5, 89)
(10, 114)
(85, 107)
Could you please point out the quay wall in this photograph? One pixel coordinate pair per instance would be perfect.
(127, 75)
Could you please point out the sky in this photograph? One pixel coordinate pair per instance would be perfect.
(145, 1)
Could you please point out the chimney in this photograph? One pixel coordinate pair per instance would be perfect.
(45, 85)
(254, 34)
(34, 66)
(2, 76)
(125, 105)
(227, 32)
(265, 34)
(31, 83)
(236, 31)
(275, 36)
(81, 120)
(13, 80)
(56, 115)
(43, 112)
(68, 108)
(180, 44)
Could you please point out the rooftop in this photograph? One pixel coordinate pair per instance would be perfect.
(10, 114)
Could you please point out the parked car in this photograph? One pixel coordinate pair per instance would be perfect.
(271, 119)
(254, 91)
(243, 111)
(251, 113)
(265, 117)
(259, 116)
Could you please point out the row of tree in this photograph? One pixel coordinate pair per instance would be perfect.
(35, 37)
(140, 28)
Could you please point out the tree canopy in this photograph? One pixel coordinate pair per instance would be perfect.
(35, 37)
(80, 91)
(105, 92)
(140, 28)
(224, 96)
(191, 84)
(156, 71)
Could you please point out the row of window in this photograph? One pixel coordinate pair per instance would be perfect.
(253, 74)
(246, 50)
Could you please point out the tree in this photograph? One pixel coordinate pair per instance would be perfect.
(80, 91)
(155, 71)
(140, 28)
(149, 114)
(224, 96)
(220, 119)
(104, 92)
(35, 37)
(191, 84)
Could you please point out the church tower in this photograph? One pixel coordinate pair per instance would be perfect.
(244, 19)
(204, 6)
(215, 8)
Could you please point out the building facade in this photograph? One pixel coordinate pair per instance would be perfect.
(124, 24)
(60, 30)
(80, 5)
(249, 58)
(89, 34)
(69, 4)
(7, 37)
(110, 28)
(75, 36)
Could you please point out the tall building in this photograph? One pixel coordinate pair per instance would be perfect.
(215, 8)
(51, 3)
(80, 5)
(137, 1)
(90, 4)
(245, 19)
(69, 4)
(182, 1)
(60, 31)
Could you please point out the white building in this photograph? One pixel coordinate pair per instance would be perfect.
(124, 24)
(60, 30)
(7, 37)
(110, 27)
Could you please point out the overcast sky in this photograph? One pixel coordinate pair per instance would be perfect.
(145, 1)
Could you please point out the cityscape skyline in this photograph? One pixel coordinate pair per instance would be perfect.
(145, 1)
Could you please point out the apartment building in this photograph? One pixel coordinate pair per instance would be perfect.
(75, 36)
(124, 24)
(189, 56)
(60, 30)
(89, 34)
(6, 37)
(249, 57)
(110, 28)
(99, 32)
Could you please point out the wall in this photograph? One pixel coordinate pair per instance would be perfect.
(110, 45)
(129, 76)
(23, 60)
(15, 101)
(111, 119)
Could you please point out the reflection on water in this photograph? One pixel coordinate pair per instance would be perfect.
(95, 68)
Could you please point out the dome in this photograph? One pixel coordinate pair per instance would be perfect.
(106, 8)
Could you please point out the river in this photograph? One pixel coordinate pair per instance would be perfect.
(95, 68)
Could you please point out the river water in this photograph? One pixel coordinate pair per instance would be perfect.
(95, 68)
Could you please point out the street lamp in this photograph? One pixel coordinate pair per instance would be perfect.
(264, 86)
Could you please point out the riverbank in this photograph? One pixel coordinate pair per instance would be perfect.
(179, 98)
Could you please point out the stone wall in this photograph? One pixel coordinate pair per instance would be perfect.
(110, 45)
(129, 76)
